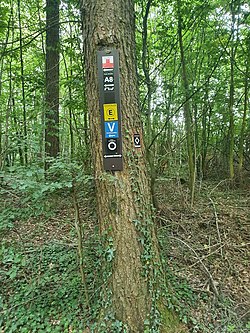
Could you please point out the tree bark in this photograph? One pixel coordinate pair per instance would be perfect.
(52, 80)
(123, 197)
(234, 6)
(244, 116)
(23, 86)
(146, 71)
(187, 111)
(4, 136)
(231, 116)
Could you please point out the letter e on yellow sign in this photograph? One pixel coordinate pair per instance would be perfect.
(110, 112)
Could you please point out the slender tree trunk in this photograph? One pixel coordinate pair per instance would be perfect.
(43, 46)
(231, 117)
(123, 197)
(52, 80)
(145, 67)
(206, 130)
(4, 137)
(23, 87)
(1, 125)
(7, 117)
(85, 138)
(244, 117)
(69, 75)
(18, 133)
(234, 8)
(187, 110)
(204, 137)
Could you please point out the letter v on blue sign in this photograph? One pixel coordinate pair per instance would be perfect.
(111, 129)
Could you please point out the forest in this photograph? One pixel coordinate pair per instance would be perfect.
(124, 166)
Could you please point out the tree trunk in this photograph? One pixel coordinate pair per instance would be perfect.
(43, 46)
(231, 118)
(69, 75)
(244, 117)
(23, 88)
(123, 197)
(52, 80)
(187, 111)
(234, 8)
(145, 67)
(4, 136)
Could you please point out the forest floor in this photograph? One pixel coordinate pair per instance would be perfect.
(206, 252)
(209, 247)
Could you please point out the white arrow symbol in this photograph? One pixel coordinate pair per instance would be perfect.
(110, 156)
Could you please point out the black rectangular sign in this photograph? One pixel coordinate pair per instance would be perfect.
(109, 92)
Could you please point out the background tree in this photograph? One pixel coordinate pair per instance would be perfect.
(52, 80)
(245, 107)
(188, 114)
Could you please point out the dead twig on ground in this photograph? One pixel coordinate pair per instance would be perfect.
(201, 262)
(217, 224)
(222, 181)
(170, 221)
(208, 255)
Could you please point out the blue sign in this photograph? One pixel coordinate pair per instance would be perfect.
(111, 129)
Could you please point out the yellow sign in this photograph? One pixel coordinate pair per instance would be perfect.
(110, 112)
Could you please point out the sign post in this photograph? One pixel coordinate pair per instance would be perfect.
(109, 92)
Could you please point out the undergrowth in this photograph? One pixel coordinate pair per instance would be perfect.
(41, 287)
(41, 290)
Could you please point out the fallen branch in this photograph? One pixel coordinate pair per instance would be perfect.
(217, 225)
(222, 181)
(201, 262)
(208, 255)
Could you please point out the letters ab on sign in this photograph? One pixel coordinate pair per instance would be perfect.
(108, 81)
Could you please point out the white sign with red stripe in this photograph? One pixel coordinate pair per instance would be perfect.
(107, 62)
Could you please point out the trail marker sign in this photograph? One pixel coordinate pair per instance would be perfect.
(110, 112)
(109, 98)
(111, 129)
(137, 141)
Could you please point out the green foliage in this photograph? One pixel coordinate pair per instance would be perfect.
(41, 290)
(27, 192)
(180, 297)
